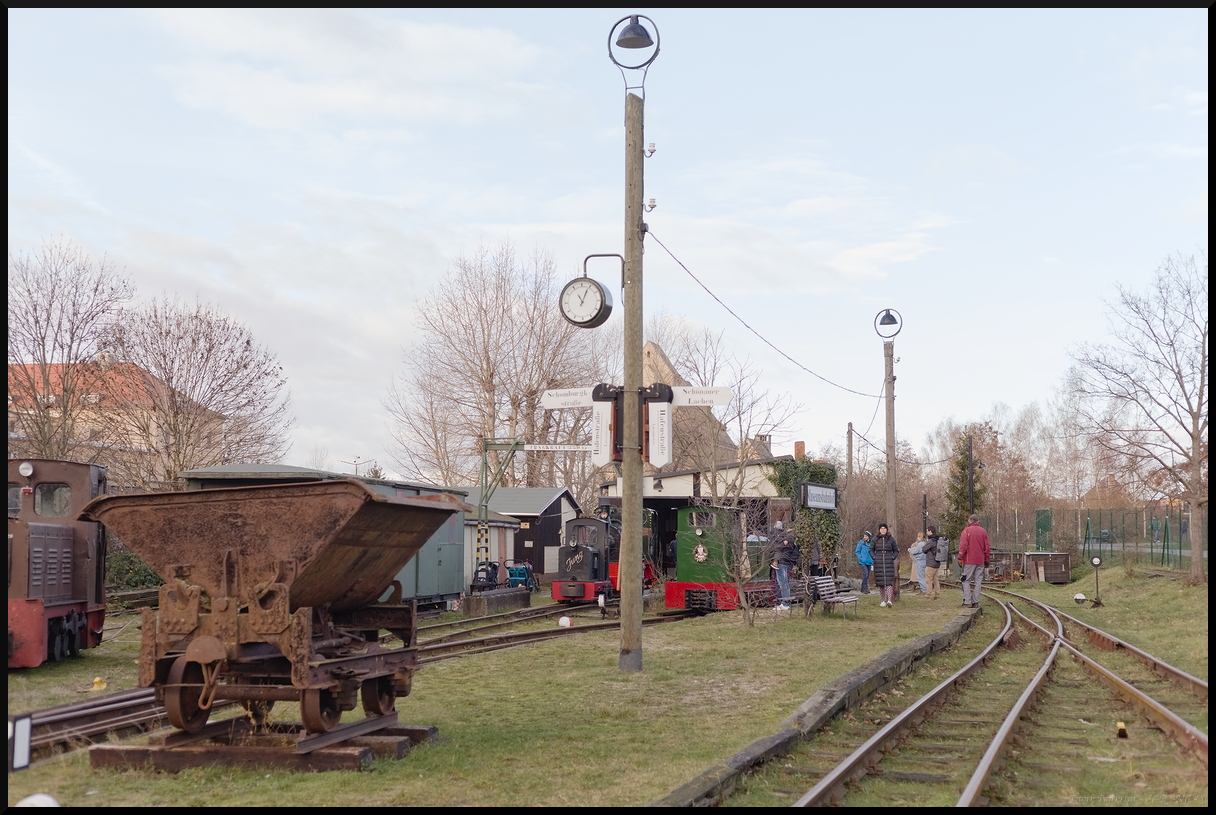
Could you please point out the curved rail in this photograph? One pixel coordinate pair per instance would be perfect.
(1108, 642)
(861, 761)
(990, 761)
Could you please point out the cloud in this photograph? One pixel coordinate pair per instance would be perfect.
(287, 70)
(975, 165)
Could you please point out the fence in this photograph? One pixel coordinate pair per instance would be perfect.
(1156, 536)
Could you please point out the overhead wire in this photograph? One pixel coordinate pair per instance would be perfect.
(745, 324)
(765, 340)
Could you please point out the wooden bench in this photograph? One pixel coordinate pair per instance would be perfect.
(826, 588)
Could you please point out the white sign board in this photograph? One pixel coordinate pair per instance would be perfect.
(566, 398)
(700, 397)
(601, 433)
(573, 448)
(818, 496)
(660, 433)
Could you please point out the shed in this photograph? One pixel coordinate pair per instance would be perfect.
(1054, 567)
(542, 513)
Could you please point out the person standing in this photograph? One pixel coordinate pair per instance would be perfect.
(818, 565)
(920, 561)
(885, 552)
(974, 552)
(865, 560)
(786, 555)
(937, 553)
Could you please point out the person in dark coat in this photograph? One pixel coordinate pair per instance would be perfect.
(886, 554)
(786, 556)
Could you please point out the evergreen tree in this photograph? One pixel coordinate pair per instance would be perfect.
(958, 493)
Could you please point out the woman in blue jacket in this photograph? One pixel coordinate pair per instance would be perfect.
(866, 560)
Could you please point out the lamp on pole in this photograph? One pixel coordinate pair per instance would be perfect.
(889, 322)
(633, 35)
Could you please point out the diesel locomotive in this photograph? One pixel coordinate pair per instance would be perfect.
(588, 563)
(711, 567)
(56, 564)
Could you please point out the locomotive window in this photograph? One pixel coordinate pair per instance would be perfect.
(702, 519)
(52, 499)
(585, 535)
(14, 500)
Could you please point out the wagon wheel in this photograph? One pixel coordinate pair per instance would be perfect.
(72, 635)
(319, 710)
(58, 643)
(378, 696)
(182, 696)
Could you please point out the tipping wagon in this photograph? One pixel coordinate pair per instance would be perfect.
(276, 593)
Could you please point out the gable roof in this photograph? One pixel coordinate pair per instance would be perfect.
(521, 501)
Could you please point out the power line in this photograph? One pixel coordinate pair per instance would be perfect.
(754, 331)
(897, 458)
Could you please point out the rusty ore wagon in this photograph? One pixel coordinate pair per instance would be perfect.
(272, 593)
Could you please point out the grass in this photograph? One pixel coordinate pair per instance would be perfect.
(557, 724)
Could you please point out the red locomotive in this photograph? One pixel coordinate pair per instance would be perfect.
(56, 574)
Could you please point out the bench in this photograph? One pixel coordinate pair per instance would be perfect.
(826, 588)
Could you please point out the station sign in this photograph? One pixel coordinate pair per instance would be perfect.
(816, 496)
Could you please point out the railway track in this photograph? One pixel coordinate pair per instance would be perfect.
(83, 723)
(1029, 719)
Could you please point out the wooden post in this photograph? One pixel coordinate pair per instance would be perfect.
(631, 464)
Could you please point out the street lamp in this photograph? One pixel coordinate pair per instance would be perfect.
(887, 324)
(636, 37)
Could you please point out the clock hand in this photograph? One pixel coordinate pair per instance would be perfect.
(581, 299)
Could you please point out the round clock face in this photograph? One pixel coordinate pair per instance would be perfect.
(585, 303)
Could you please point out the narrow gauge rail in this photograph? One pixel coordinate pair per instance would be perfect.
(82, 723)
(1057, 688)
(438, 651)
(964, 728)
(1182, 693)
(472, 625)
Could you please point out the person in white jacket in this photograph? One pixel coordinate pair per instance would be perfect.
(917, 551)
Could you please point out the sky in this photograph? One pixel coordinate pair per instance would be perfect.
(990, 175)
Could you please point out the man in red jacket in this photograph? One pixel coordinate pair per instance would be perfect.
(973, 555)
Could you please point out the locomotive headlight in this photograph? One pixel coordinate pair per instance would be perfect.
(25, 468)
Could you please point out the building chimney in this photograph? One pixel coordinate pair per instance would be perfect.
(799, 450)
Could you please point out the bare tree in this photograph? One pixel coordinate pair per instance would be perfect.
(61, 304)
(492, 343)
(192, 388)
(1147, 390)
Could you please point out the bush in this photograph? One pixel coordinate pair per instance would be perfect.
(126, 572)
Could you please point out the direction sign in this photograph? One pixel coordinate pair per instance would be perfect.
(601, 433)
(700, 397)
(659, 448)
(566, 398)
(574, 448)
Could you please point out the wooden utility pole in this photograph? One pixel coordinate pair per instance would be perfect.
(631, 464)
(888, 352)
